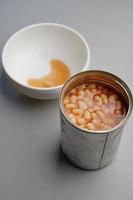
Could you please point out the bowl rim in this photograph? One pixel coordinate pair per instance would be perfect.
(44, 24)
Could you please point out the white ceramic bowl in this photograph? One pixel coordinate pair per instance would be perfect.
(28, 52)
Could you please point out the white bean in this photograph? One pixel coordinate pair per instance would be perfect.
(87, 115)
(94, 90)
(118, 112)
(100, 114)
(70, 105)
(88, 92)
(88, 101)
(106, 110)
(90, 126)
(108, 121)
(113, 98)
(82, 105)
(94, 115)
(98, 100)
(111, 109)
(66, 100)
(90, 104)
(83, 126)
(67, 110)
(81, 93)
(102, 125)
(80, 120)
(95, 122)
(73, 99)
(104, 98)
(91, 110)
(73, 91)
(77, 111)
(83, 86)
(118, 104)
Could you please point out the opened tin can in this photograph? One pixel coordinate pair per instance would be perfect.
(92, 149)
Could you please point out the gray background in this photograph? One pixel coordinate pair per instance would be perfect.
(31, 165)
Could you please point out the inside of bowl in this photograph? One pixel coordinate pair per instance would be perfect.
(29, 52)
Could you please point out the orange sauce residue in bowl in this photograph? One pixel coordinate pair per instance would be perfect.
(58, 75)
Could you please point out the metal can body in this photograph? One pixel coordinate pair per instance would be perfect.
(89, 150)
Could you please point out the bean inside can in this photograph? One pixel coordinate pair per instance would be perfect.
(94, 106)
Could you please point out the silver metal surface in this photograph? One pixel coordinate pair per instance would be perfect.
(92, 149)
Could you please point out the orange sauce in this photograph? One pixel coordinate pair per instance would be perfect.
(58, 75)
(93, 106)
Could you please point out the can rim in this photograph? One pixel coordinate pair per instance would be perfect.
(117, 127)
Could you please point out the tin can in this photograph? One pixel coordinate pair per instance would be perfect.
(91, 149)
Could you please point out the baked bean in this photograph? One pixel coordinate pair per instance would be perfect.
(81, 87)
(95, 122)
(109, 121)
(104, 99)
(113, 98)
(73, 92)
(68, 111)
(88, 101)
(100, 113)
(82, 105)
(87, 115)
(118, 112)
(102, 125)
(80, 120)
(118, 104)
(98, 100)
(111, 109)
(94, 115)
(106, 110)
(107, 127)
(90, 126)
(94, 90)
(90, 110)
(66, 100)
(81, 93)
(94, 107)
(79, 97)
(77, 111)
(88, 92)
(83, 126)
(73, 99)
(70, 105)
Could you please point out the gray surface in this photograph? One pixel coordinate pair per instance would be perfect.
(31, 165)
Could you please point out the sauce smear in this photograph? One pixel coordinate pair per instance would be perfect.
(58, 75)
